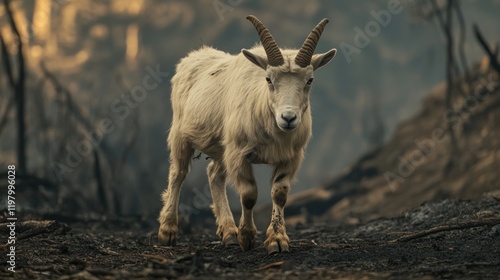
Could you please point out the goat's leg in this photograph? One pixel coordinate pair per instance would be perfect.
(247, 188)
(277, 239)
(180, 156)
(240, 172)
(226, 228)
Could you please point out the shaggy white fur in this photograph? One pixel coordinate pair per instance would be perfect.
(239, 110)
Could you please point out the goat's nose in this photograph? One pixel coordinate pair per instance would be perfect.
(289, 116)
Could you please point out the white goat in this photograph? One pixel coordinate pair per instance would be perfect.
(239, 114)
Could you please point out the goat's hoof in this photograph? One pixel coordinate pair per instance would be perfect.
(247, 237)
(167, 235)
(230, 237)
(230, 240)
(228, 234)
(277, 243)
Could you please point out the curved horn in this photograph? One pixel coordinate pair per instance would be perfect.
(274, 56)
(303, 58)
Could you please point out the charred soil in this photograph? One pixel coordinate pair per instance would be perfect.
(446, 239)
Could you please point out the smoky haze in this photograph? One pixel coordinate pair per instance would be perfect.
(98, 88)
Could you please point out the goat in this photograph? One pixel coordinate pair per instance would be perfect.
(239, 114)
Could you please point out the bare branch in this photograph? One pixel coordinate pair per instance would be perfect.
(491, 55)
(461, 45)
(77, 113)
(6, 64)
(4, 118)
(459, 226)
(438, 13)
(67, 95)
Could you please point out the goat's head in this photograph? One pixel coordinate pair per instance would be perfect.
(289, 80)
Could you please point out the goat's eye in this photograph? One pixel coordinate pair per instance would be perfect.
(309, 82)
(269, 82)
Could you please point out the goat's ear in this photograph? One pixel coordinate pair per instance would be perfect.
(255, 59)
(319, 60)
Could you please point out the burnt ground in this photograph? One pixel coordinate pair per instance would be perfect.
(447, 239)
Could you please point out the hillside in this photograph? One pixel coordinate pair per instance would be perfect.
(417, 164)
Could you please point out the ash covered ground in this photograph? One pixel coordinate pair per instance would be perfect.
(445, 239)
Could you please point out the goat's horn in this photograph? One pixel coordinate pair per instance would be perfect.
(274, 56)
(303, 58)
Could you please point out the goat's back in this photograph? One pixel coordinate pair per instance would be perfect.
(207, 84)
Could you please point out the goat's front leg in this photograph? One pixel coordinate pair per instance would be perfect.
(277, 239)
(247, 188)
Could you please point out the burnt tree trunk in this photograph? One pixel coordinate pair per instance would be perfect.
(450, 64)
(18, 87)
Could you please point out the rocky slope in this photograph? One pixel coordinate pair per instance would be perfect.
(419, 163)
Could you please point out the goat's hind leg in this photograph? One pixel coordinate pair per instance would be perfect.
(226, 228)
(181, 152)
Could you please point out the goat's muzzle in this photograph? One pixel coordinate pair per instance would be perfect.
(288, 121)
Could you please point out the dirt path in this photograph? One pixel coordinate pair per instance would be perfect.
(448, 239)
